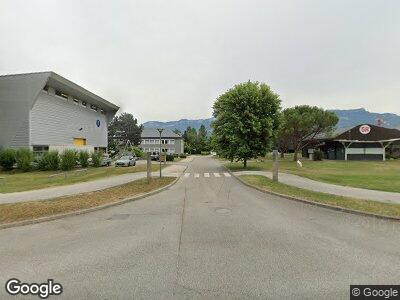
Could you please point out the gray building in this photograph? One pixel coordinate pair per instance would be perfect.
(45, 111)
(171, 143)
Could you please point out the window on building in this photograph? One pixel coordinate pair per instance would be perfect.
(172, 142)
(93, 107)
(61, 94)
(39, 151)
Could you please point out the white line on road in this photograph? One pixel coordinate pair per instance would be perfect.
(196, 175)
(217, 175)
(227, 175)
(206, 174)
(187, 175)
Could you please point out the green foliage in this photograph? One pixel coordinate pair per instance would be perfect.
(96, 159)
(205, 153)
(301, 124)
(182, 155)
(318, 155)
(68, 159)
(170, 157)
(196, 142)
(138, 152)
(126, 127)
(7, 158)
(51, 160)
(84, 159)
(246, 121)
(24, 159)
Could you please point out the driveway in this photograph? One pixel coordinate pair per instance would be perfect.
(207, 236)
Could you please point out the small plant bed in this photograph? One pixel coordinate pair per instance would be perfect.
(373, 175)
(17, 181)
(22, 211)
(384, 209)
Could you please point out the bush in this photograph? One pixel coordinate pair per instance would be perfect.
(68, 160)
(51, 160)
(96, 159)
(182, 155)
(138, 152)
(84, 159)
(24, 159)
(318, 155)
(7, 158)
(170, 157)
(205, 152)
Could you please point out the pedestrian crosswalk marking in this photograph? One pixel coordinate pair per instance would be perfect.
(187, 175)
(227, 175)
(196, 175)
(217, 175)
(206, 174)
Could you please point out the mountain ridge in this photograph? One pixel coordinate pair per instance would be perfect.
(347, 118)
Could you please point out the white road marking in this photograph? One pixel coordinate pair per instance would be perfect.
(217, 175)
(227, 175)
(206, 174)
(186, 175)
(196, 175)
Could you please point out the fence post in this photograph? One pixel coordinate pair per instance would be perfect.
(148, 167)
(275, 168)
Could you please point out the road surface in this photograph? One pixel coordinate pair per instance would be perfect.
(206, 237)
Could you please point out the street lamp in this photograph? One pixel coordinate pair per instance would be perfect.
(160, 130)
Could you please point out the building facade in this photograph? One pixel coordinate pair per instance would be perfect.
(44, 111)
(362, 142)
(171, 143)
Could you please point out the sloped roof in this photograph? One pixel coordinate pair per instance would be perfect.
(58, 82)
(153, 133)
(377, 133)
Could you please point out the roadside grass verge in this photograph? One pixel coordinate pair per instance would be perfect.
(16, 181)
(373, 175)
(13, 212)
(379, 208)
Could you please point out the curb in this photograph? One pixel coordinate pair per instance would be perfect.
(88, 210)
(328, 206)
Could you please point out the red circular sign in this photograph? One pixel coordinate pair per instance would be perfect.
(365, 129)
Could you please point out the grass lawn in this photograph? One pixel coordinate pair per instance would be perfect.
(375, 175)
(345, 202)
(35, 209)
(16, 181)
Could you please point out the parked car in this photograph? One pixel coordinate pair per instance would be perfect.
(126, 161)
(154, 156)
(106, 161)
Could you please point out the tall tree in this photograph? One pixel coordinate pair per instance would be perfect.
(125, 127)
(202, 139)
(190, 138)
(246, 121)
(301, 124)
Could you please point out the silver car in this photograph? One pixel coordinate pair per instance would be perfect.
(126, 161)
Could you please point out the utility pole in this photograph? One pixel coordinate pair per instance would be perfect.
(160, 130)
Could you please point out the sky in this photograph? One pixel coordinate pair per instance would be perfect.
(168, 60)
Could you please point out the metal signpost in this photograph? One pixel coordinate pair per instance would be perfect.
(160, 130)
(275, 166)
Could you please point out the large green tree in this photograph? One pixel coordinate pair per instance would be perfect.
(190, 138)
(124, 127)
(202, 139)
(246, 121)
(301, 124)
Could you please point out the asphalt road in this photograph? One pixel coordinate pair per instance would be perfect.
(205, 237)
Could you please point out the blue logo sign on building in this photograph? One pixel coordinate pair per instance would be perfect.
(98, 123)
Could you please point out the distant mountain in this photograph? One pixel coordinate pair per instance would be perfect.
(353, 117)
(347, 118)
(181, 125)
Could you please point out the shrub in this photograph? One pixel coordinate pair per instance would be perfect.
(7, 158)
(84, 159)
(138, 152)
(170, 157)
(96, 159)
(205, 153)
(68, 160)
(52, 160)
(182, 155)
(318, 155)
(24, 159)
